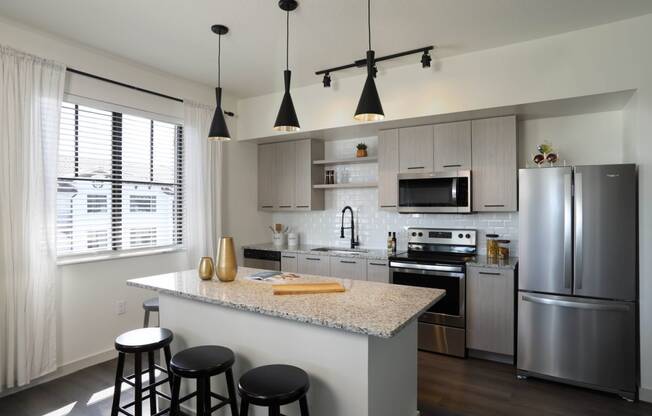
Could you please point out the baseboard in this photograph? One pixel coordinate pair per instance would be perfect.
(645, 394)
(65, 369)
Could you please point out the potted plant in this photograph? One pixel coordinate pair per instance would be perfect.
(362, 150)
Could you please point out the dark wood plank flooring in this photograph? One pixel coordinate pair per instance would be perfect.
(447, 387)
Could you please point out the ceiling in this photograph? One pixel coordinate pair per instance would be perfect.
(174, 35)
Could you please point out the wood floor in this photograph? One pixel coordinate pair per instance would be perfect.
(447, 387)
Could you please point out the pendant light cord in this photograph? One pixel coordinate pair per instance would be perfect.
(219, 52)
(369, 21)
(287, 40)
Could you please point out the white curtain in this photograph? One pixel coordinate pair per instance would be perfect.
(31, 91)
(203, 184)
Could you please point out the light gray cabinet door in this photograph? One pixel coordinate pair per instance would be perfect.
(266, 176)
(387, 168)
(289, 262)
(378, 271)
(302, 175)
(453, 146)
(285, 174)
(490, 310)
(314, 264)
(348, 268)
(494, 164)
(416, 149)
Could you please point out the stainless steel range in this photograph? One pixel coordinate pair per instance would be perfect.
(436, 258)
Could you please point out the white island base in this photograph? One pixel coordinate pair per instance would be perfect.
(351, 374)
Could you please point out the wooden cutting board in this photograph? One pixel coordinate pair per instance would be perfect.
(307, 288)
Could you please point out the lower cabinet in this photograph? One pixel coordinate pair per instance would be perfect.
(289, 262)
(313, 264)
(348, 268)
(378, 271)
(490, 310)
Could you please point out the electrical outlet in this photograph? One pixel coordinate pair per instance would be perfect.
(121, 307)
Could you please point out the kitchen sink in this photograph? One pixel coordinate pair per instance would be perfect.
(339, 250)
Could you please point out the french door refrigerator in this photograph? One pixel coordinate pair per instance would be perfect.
(578, 291)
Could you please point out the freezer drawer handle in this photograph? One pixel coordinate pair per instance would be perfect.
(576, 305)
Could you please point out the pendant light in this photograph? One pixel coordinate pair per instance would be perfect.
(286, 120)
(369, 106)
(219, 131)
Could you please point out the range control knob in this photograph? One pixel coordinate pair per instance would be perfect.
(414, 234)
(468, 236)
(420, 234)
(460, 235)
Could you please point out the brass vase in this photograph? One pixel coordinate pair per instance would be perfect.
(227, 266)
(206, 268)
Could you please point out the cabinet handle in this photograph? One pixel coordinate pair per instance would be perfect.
(452, 166)
(267, 206)
(288, 257)
(302, 206)
(388, 206)
(348, 262)
(313, 258)
(416, 167)
(378, 264)
(490, 273)
(494, 206)
(285, 206)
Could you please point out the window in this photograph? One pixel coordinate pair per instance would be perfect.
(119, 182)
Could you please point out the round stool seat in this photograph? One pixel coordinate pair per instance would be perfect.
(151, 305)
(202, 361)
(276, 384)
(143, 340)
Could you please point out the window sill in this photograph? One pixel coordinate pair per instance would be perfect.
(89, 258)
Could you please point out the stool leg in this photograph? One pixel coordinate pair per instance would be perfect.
(207, 396)
(152, 379)
(199, 400)
(118, 384)
(244, 407)
(138, 389)
(274, 410)
(168, 357)
(146, 322)
(231, 388)
(175, 406)
(303, 404)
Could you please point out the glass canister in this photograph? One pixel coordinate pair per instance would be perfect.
(492, 246)
(503, 249)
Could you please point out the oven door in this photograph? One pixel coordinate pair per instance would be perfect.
(451, 278)
(434, 192)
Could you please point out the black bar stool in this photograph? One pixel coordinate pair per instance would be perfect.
(138, 342)
(202, 363)
(150, 305)
(273, 386)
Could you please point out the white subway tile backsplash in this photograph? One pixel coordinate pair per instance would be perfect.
(372, 223)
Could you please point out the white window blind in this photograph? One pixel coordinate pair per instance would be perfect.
(120, 182)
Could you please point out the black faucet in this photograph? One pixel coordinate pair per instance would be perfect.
(354, 243)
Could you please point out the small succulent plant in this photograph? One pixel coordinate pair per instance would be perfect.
(361, 146)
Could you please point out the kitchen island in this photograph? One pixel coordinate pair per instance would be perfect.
(359, 347)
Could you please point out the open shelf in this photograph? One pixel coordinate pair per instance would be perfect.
(347, 185)
(351, 161)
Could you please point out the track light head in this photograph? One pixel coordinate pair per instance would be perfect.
(327, 80)
(425, 59)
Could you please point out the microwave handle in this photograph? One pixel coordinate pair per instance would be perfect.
(454, 192)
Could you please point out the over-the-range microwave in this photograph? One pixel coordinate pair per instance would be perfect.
(436, 192)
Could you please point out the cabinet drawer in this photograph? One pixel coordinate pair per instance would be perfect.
(378, 271)
(289, 262)
(490, 310)
(348, 268)
(313, 264)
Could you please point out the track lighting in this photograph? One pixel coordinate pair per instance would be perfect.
(327, 80)
(425, 59)
(219, 131)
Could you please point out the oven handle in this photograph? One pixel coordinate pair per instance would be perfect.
(438, 268)
(427, 272)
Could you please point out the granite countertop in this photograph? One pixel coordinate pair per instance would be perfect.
(369, 308)
(370, 253)
(484, 261)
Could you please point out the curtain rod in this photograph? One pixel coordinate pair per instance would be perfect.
(133, 87)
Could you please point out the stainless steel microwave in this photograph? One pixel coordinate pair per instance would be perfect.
(437, 192)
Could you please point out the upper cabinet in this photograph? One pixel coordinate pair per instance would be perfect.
(452, 146)
(494, 164)
(286, 176)
(416, 149)
(387, 168)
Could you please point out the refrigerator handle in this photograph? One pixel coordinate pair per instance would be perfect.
(568, 230)
(578, 230)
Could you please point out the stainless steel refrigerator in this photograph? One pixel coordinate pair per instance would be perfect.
(578, 284)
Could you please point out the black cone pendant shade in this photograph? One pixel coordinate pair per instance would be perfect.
(287, 120)
(219, 130)
(369, 106)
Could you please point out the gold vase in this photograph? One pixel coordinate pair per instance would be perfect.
(227, 266)
(206, 268)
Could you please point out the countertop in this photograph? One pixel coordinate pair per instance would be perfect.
(371, 254)
(370, 308)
